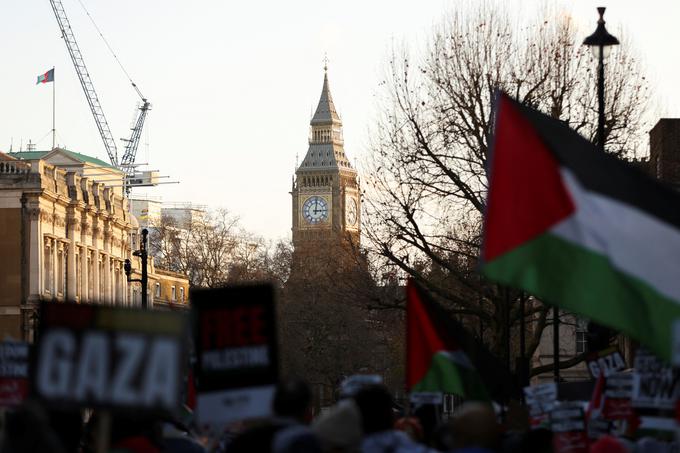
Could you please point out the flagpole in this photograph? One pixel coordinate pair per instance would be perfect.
(54, 130)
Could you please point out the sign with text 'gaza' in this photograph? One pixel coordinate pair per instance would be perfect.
(236, 352)
(103, 356)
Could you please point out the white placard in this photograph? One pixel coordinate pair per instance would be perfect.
(421, 398)
(226, 406)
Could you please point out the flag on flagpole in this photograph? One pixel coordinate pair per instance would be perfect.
(581, 229)
(46, 77)
(443, 357)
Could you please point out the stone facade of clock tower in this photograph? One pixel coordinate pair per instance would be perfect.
(326, 197)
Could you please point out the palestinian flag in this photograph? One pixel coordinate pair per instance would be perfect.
(581, 229)
(442, 357)
(47, 77)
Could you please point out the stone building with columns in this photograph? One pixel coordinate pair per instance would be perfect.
(65, 232)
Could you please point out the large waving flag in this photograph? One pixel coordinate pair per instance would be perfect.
(442, 357)
(581, 229)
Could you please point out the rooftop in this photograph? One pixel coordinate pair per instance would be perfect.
(325, 111)
(34, 155)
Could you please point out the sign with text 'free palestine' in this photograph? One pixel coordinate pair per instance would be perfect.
(13, 372)
(104, 356)
(236, 352)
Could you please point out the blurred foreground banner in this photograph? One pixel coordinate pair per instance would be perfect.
(581, 229)
(103, 356)
(13, 372)
(236, 352)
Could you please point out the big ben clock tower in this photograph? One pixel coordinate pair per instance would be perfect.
(326, 201)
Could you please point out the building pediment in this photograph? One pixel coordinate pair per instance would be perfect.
(62, 158)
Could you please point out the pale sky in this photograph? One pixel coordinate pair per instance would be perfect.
(233, 83)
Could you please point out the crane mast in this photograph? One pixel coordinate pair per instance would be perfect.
(131, 144)
(85, 81)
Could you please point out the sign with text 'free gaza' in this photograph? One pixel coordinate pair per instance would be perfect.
(103, 356)
(236, 352)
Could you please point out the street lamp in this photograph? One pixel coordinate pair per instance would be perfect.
(142, 253)
(600, 43)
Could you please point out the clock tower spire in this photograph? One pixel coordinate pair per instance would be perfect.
(326, 203)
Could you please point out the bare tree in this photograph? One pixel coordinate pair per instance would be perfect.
(213, 250)
(426, 179)
(327, 332)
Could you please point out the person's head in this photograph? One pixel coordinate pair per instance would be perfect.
(411, 426)
(375, 405)
(68, 426)
(339, 429)
(608, 444)
(475, 425)
(429, 417)
(125, 426)
(538, 440)
(27, 428)
(293, 399)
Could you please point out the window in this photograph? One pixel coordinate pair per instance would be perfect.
(581, 341)
(181, 294)
(158, 290)
(173, 293)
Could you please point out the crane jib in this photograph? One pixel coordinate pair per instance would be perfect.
(126, 164)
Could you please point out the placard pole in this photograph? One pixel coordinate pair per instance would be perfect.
(103, 431)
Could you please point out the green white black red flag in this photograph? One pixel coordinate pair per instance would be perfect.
(443, 357)
(581, 229)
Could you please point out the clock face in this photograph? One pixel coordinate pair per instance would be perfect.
(351, 211)
(315, 210)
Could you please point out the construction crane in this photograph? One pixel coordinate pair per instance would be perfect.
(126, 164)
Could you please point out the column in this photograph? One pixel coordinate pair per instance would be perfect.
(96, 231)
(54, 281)
(71, 277)
(114, 282)
(84, 294)
(107, 279)
(95, 276)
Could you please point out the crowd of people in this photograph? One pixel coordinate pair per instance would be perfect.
(369, 422)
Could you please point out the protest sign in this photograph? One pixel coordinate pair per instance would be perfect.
(618, 391)
(598, 426)
(104, 356)
(655, 384)
(236, 352)
(569, 429)
(352, 384)
(541, 400)
(607, 361)
(429, 398)
(13, 373)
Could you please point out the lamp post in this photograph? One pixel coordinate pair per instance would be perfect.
(142, 253)
(600, 43)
